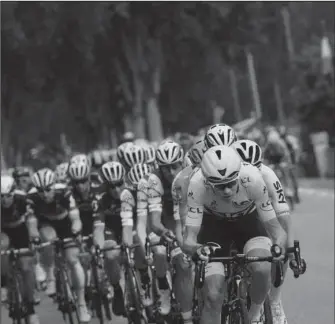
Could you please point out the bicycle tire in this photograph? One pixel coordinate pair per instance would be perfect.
(97, 296)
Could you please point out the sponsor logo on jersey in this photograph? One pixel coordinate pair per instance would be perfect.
(190, 194)
(194, 210)
(265, 189)
(267, 206)
(280, 192)
(240, 204)
(245, 180)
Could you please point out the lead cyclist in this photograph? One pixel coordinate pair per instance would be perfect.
(228, 201)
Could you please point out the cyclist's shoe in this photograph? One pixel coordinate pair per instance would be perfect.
(118, 302)
(51, 288)
(278, 314)
(4, 294)
(37, 297)
(33, 319)
(84, 315)
(40, 273)
(165, 302)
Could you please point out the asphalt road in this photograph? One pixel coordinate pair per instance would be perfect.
(307, 300)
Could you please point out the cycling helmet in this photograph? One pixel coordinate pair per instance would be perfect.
(197, 152)
(7, 184)
(134, 154)
(21, 171)
(43, 178)
(220, 164)
(249, 151)
(169, 152)
(150, 153)
(61, 172)
(120, 151)
(112, 172)
(220, 134)
(80, 170)
(137, 172)
(80, 158)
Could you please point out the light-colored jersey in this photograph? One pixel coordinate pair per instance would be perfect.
(275, 189)
(128, 204)
(251, 194)
(179, 192)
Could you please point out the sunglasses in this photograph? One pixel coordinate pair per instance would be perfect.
(115, 185)
(173, 166)
(44, 190)
(8, 195)
(223, 186)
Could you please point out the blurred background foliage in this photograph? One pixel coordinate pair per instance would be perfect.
(91, 70)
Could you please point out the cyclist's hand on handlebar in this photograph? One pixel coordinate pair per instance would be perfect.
(278, 252)
(168, 236)
(34, 242)
(203, 253)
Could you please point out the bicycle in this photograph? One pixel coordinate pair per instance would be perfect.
(174, 316)
(17, 305)
(235, 306)
(99, 296)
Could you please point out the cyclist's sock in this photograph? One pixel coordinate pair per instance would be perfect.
(187, 317)
(163, 283)
(255, 311)
(3, 281)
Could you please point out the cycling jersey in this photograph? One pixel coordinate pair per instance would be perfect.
(201, 197)
(128, 205)
(160, 198)
(85, 206)
(179, 192)
(276, 192)
(55, 210)
(14, 215)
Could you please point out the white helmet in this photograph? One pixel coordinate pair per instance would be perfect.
(137, 172)
(43, 178)
(7, 184)
(120, 151)
(61, 172)
(150, 153)
(79, 170)
(134, 154)
(169, 152)
(80, 158)
(197, 152)
(220, 134)
(249, 151)
(221, 164)
(112, 172)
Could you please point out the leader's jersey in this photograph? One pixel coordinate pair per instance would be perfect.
(276, 192)
(251, 194)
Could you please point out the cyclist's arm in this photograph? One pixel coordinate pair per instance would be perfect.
(258, 192)
(176, 197)
(76, 224)
(98, 223)
(194, 217)
(142, 210)
(31, 221)
(277, 196)
(127, 206)
(155, 192)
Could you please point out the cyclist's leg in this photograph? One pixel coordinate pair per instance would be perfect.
(213, 230)
(183, 285)
(256, 243)
(4, 266)
(48, 233)
(113, 270)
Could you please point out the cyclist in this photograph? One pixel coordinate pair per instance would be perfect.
(228, 201)
(107, 228)
(134, 213)
(61, 173)
(294, 148)
(120, 151)
(58, 216)
(184, 278)
(150, 156)
(133, 154)
(169, 157)
(15, 233)
(251, 152)
(219, 134)
(22, 177)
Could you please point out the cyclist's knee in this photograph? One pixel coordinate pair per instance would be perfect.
(72, 256)
(214, 288)
(4, 241)
(47, 233)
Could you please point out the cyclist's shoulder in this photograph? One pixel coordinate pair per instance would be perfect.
(127, 196)
(142, 184)
(155, 182)
(250, 176)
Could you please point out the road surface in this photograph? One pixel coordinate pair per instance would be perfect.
(307, 300)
